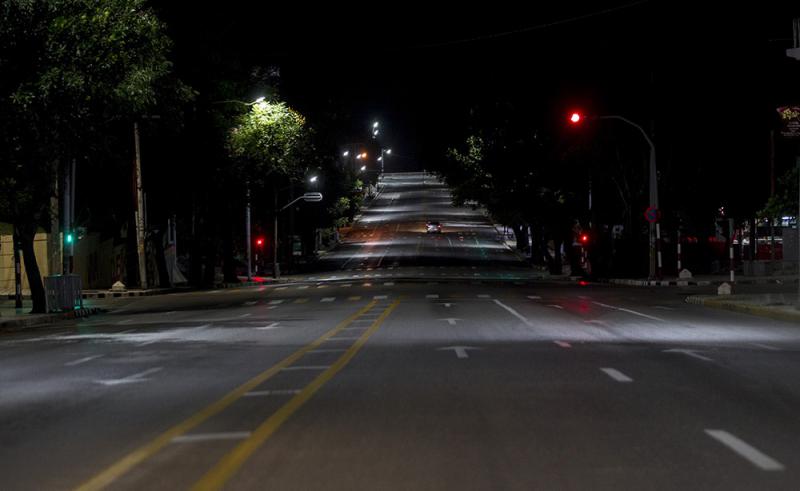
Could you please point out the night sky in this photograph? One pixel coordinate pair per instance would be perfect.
(704, 79)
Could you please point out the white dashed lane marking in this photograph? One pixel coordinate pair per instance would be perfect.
(745, 450)
(616, 375)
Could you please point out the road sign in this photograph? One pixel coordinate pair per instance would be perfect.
(652, 214)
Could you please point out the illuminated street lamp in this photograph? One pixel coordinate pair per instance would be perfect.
(346, 153)
(313, 179)
(363, 168)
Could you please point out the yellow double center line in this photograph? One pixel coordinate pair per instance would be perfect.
(232, 461)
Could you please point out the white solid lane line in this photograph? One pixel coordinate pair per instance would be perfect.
(766, 346)
(280, 392)
(514, 313)
(616, 375)
(629, 311)
(205, 437)
(131, 379)
(82, 360)
(744, 449)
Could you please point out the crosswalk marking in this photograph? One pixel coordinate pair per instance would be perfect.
(301, 300)
(354, 298)
(328, 299)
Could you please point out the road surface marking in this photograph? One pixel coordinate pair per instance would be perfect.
(144, 452)
(766, 346)
(281, 288)
(240, 316)
(328, 299)
(367, 284)
(208, 437)
(82, 360)
(534, 297)
(272, 307)
(563, 344)
(354, 298)
(389, 283)
(131, 379)
(214, 291)
(616, 375)
(322, 286)
(306, 367)
(688, 352)
(598, 322)
(233, 461)
(750, 453)
(555, 306)
(279, 392)
(304, 287)
(629, 311)
(662, 307)
(169, 313)
(460, 351)
(272, 325)
(275, 302)
(451, 321)
(301, 300)
(252, 302)
(380, 297)
(432, 296)
(146, 343)
(346, 285)
(514, 313)
(483, 295)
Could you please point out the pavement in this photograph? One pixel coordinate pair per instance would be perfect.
(439, 381)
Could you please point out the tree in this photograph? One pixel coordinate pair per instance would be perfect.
(69, 68)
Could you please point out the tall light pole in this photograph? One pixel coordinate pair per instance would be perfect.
(655, 225)
(248, 230)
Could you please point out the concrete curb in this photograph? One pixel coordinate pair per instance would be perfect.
(745, 308)
(44, 319)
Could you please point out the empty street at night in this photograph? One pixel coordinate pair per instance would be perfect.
(404, 374)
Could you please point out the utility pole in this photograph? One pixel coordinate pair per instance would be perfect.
(276, 268)
(139, 214)
(247, 233)
(17, 271)
(69, 218)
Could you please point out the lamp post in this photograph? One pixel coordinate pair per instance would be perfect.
(311, 197)
(655, 225)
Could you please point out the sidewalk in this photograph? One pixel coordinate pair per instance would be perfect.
(12, 318)
(780, 306)
(707, 280)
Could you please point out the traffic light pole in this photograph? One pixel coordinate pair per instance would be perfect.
(276, 268)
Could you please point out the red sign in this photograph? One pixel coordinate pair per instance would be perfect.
(652, 214)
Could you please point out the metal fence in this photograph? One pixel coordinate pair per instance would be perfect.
(63, 292)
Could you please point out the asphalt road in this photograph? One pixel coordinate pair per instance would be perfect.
(420, 378)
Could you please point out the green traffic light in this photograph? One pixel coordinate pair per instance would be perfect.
(68, 239)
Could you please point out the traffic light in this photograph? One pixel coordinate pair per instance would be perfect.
(584, 239)
(575, 117)
(68, 238)
(260, 241)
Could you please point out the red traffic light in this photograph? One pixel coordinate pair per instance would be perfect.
(584, 239)
(259, 241)
(575, 118)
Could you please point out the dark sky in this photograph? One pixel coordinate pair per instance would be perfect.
(707, 75)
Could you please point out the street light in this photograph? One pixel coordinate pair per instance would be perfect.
(313, 179)
(346, 153)
(384, 151)
(363, 168)
(655, 227)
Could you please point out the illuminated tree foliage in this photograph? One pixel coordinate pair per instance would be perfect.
(270, 138)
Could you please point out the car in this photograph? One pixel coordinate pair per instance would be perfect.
(433, 227)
